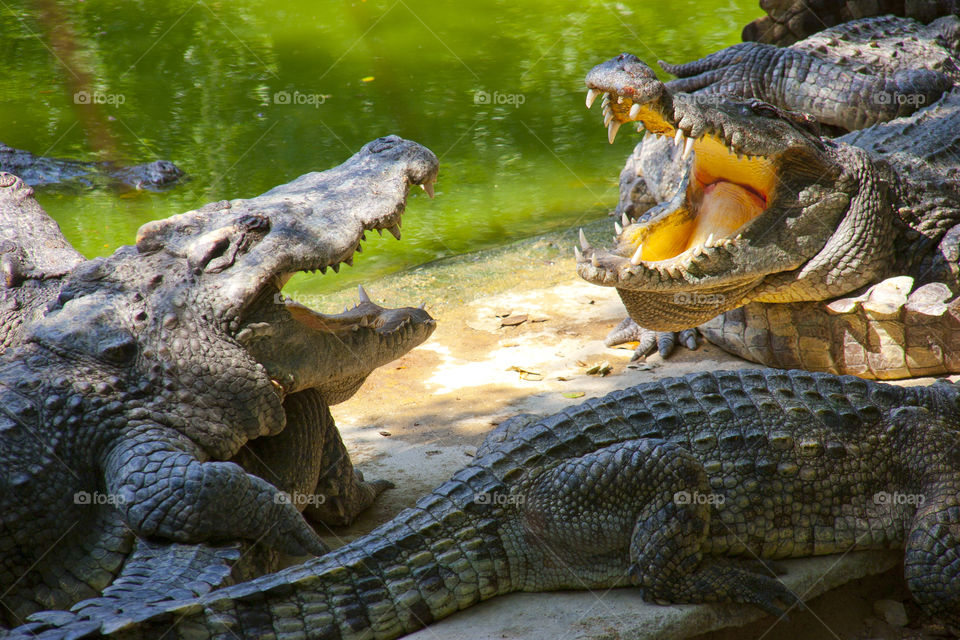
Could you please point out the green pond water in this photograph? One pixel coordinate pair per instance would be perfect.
(244, 96)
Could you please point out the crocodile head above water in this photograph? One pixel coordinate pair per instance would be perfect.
(170, 368)
(760, 213)
(200, 292)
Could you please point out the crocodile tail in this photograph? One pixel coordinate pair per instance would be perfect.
(788, 21)
(430, 561)
(888, 332)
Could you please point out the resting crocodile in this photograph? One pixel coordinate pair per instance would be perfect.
(43, 171)
(785, 247)
(790, 20)
(168, 392)
(676, 487)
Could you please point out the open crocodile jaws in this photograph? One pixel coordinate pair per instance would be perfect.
(755, 213)
(162, 368)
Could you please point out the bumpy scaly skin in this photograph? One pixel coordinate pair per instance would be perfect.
(668, 486)
(848, 97)
(791, 20)
(42, 171)
(130, 398)
(901, 182)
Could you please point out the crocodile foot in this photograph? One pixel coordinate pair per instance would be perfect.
(664, 341)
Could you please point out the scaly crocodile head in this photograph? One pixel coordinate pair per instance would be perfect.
(194, 310)
(761, 196)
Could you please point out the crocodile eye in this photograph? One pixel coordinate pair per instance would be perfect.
(761, 108)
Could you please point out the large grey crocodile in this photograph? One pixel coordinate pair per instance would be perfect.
(44, 171)
(785, 247)
(169, 392)
(790, 20)
(674, 487)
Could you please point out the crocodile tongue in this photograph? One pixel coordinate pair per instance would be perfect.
(725, 208)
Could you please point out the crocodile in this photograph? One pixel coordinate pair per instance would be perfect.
(42, 171)
(788, 21)
(786, 247)
(682, 488)
(169, 392)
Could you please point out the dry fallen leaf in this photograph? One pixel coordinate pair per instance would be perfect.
(386, 433)
(601, 369)
(574, 394)
(512, 321)
(526, 374)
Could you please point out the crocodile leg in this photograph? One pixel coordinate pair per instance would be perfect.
(343, 490)
(648, 340)
(793, 84)
(164, 490)
(932, 561)
(662, 519)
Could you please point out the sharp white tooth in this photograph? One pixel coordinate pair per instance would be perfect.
(606, 99)
(584, 244)
(678, 138)
(635, 260)
(709, 241)
(608, 118)
(395, 231)
(619, 99)
(618, 228)
(594, 261)
(697, 251)
(634, 110)
(625, 219)
(591, 97)
(346, 309)
(423, 305)
(612, 129)
(361, 292)
(576, 254)
(674, 270)
(688, 148)
(640, 128)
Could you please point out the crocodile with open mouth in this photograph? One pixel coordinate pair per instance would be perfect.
(169, 392)
(843, 251)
